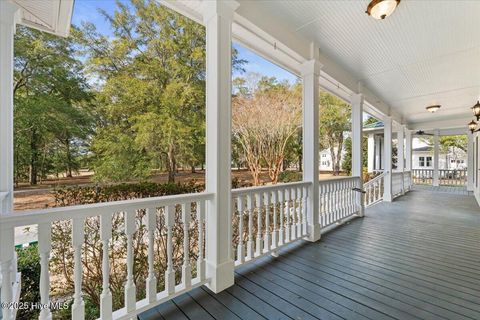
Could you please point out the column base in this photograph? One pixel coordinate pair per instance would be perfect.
(221, 276)
(314, 233)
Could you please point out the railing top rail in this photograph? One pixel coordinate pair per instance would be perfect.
(339, 178)
(23, 218)
(380, 176)
(273, 187)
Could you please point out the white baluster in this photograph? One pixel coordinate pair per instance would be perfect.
(169, 273)
(281, 230)
(44, 247)
(151, 278)
(304, 210)
(201, 239)
(299, 212)
(130, 289)
(250, 242)
(78, 307)
(266, 202)
(258, 206)
(293, 210)
(186, 267)
(275, 229)
(287, 213)
(106, 296)
(240, 246)
(6, 263)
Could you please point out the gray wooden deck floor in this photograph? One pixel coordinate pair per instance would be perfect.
(415, 258)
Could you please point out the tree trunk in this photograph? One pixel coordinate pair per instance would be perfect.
(193, 169)
(69, 158)
(171, 165)
(33, 170)
(300, 163)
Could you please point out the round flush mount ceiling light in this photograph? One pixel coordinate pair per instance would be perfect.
(433, 109)
(380, 9)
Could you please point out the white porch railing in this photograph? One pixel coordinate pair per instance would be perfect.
(337, 199)
(445, 177)
(158, 216)
(266, 218)
(374, 190)
(397, 184)
(407, 181)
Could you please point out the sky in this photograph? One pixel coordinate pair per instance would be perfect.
(88, 10)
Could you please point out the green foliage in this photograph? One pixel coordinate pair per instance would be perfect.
(29, 266)
(290, 176)
(151, 101)
(96, 194)
(52, 118)
(347, 159)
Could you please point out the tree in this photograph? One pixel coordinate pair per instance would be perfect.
(335, 117)
(151, 90)
(454, 146)
(51, 105)
(264, 121)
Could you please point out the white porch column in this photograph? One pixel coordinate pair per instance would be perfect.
(400, 153)
(387, 158)
(218, 16)
(7, 31)
(408, 150)
(371, 152)
(356, 101)
(436, 154)
(8, 13)
(311, 99)
(378, 155)
(470, 160)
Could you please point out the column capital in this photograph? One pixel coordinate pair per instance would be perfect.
(357, 98)
(311, 66)
(9, 12)
(223, 8)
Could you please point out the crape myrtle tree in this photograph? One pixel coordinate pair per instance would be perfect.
(335, 120)
(151, 98)
(265, 117)
(52, 114)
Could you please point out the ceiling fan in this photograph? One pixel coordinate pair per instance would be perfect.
(423, 133)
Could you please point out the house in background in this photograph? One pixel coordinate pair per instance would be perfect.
(422, 158)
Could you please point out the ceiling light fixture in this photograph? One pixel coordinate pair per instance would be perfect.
(476, 110)
(380, 9)
(472, 126)
(434, 108)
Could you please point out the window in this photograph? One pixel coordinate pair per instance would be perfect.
(324, 155)
(421, 161)
(429, 161)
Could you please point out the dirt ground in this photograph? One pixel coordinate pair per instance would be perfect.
(41, 196)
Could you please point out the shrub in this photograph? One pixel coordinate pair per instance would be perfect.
(290, 176)
(29, 266)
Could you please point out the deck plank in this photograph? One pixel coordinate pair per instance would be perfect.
(415, 258)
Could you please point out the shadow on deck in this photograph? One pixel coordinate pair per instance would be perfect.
(415, 258)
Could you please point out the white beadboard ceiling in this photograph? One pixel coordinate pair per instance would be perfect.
(426, 52)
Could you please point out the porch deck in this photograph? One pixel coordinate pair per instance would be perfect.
(415, 258)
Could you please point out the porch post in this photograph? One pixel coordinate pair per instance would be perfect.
(387, 160)
(400, 154)
(7, 30)
(378, 154)
(371, 152)
(436, 153)
(311, 102)
(356, 101)
(408, 149)
(470, 160)
(8, 14)
(218, 16)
